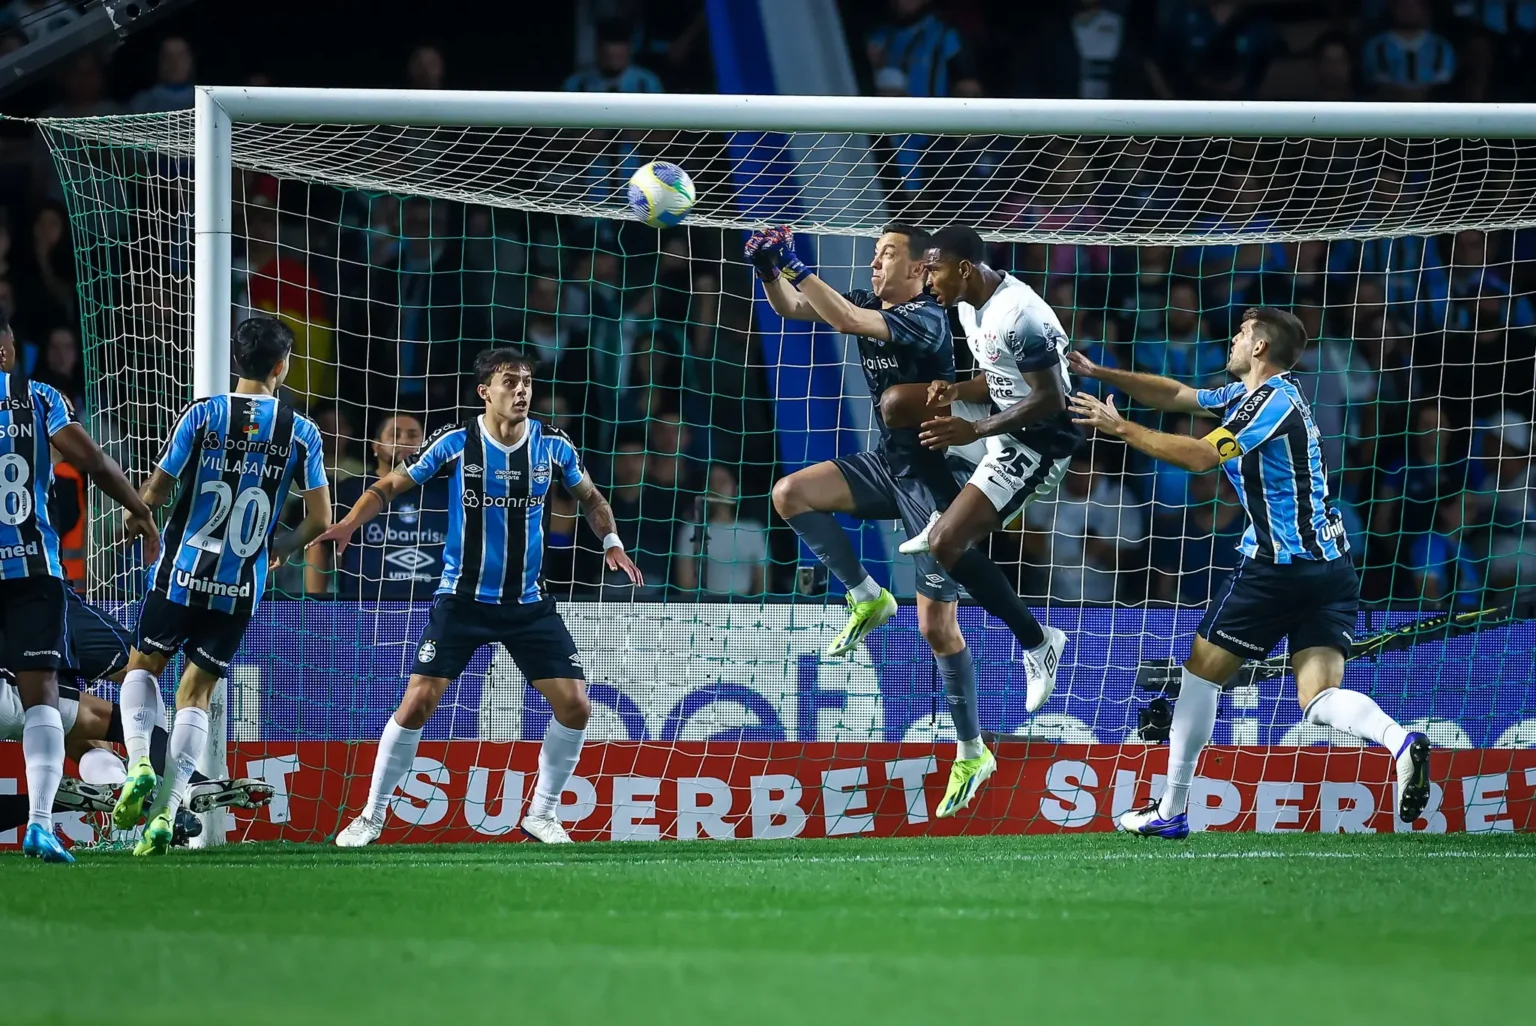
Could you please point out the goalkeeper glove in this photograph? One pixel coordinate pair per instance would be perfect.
(762, 260)
(780, 242)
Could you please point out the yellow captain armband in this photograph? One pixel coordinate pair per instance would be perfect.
(1225, 443)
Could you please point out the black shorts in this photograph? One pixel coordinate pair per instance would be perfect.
(210, 638)
(532, 633)
(880, 495)
(98, 644)
(1310, 602)
(36, 625)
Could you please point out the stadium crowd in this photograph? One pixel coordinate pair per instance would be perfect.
(1422, 375)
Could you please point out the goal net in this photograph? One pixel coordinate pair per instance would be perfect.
(396, 252)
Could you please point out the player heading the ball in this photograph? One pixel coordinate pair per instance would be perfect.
(231, 460)
(1295, 579)
(500, 467)
(32, 583)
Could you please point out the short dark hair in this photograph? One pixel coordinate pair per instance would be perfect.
(1283, 330)
(918, 240)
(489, 361)
(260, 344)
(614, 30)
(960, 242)
(5, 323)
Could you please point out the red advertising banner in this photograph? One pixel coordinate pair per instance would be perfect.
(476, 791)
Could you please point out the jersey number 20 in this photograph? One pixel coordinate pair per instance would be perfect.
(249, 532)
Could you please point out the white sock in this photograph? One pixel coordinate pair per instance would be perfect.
(865, 591)
(188, 739)
(42, 745)
(143, 711)
(99, 766)
(1356, 714)
(557, 761)
(1194, 717)
(971, 749)
(397, 753)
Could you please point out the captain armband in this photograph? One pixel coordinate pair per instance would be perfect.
(1225, 443)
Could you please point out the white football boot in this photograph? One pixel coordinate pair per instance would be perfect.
(1040, 666)
(545, 829)
(361, 831)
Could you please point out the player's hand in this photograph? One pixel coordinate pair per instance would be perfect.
(1077, 363)
(143, 526)
(340, 533)
(1091, 412)
(762, 260)
(779, 243)
(946, 431)
(942, 393)
(618, 559)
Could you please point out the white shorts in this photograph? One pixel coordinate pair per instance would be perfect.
(1012, 474)
(13, 717)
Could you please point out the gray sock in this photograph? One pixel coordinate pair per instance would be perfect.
(959, 675)
(826, 537)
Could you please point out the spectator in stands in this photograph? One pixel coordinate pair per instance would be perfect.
(46, 274)
(173, 86)
(1216, 50)
(1444, 568)
(722, 554)
(1336, 378)
(647, 538)
(1511, 492)
(61, 365)
(1476, 294)
(555, 337)
(936, 60)
(615, 71)
(1408, 61)
(8, 308)
(7, 268)
(336, 436)
(1434, 468)
(272, 276)
(1194, 547)
(1089, 53)
(1497, 43)
(35, 20)
(83, 85)
(1085, 534)
(1186, 348)
(1333, 69)
(1410, 267)
(425, 67)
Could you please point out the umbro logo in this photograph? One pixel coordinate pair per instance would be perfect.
(1049, 662)
(473, 468)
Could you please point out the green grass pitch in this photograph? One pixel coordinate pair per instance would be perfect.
(1235, 929)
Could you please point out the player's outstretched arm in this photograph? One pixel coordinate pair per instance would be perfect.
(1148, 389)
(777, 286)
(82, 452)
(972, 390)
(1048, 396)
(1193, 454)
(600, 518)
(369, 505)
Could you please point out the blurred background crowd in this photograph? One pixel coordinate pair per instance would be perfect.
(1422, 375)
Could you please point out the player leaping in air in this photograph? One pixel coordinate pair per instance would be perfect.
(32, 582)
(231, 460)
(903, 338)
(501, 466)
(1295, 579)
(1021, 359)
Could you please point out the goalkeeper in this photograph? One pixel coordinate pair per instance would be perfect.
(903, 338)
(1295, 579)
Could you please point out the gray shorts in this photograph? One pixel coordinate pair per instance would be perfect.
(880, 495)
(13, 716)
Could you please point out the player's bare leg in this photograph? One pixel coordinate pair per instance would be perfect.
(558, 756)
(396, 754)
(1194, 717)
(1319, 674)
(189, 738)
(939, 624)
(42, 744)
(143, 711)
(806, 500)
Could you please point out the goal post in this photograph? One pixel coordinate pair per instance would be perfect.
(710, 701)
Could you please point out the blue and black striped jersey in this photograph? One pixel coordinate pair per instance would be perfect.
(921, 350)
(1271, 449)
(234, 457)
(496, 497)
(30, 414)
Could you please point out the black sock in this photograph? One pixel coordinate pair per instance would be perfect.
(115, 725)
(825, 536)
(158, 741)
(988, 585)
(14, 811)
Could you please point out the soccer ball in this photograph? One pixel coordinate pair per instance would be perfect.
(661, 194)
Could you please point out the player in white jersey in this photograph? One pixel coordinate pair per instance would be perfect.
(1020, 350)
